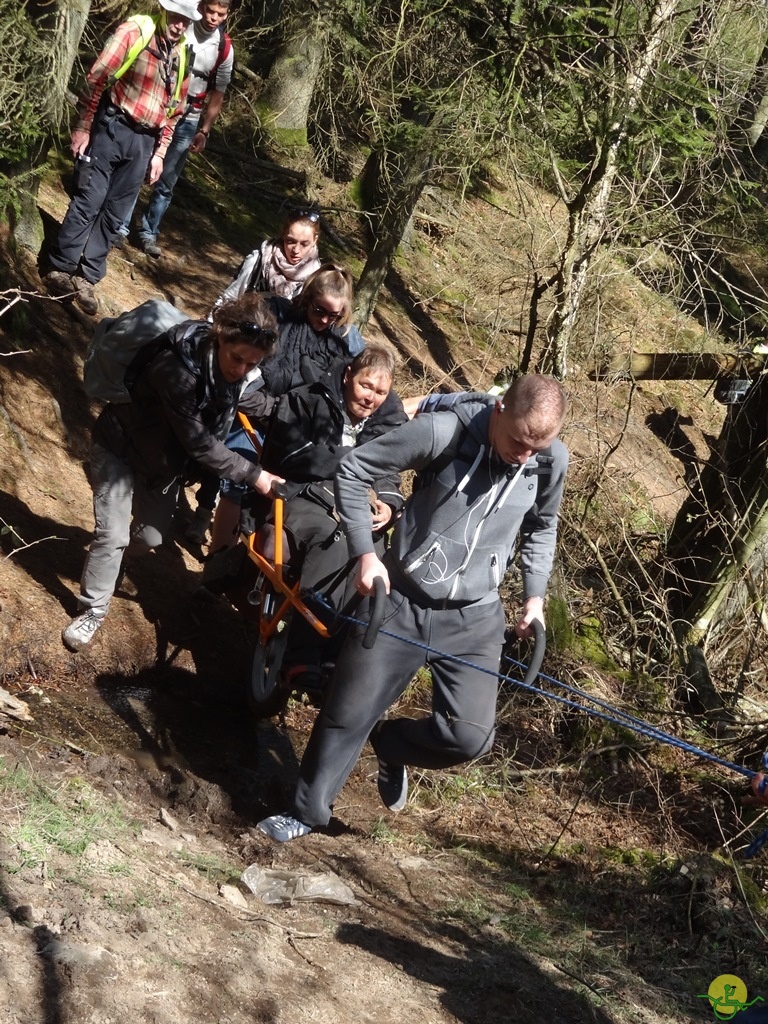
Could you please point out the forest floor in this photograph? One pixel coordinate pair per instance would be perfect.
(563, 880)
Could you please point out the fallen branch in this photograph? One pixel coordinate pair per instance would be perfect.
(12, 707)
(254, 161)
(563, 829)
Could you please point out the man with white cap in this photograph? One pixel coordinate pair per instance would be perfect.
(136, 90)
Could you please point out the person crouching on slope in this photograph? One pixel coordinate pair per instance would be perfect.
(280, 265)
(183, 402)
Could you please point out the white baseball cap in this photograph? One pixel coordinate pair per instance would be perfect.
(186, 8)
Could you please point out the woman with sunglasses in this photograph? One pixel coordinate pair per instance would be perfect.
(182, 405)
(280, 265)
(316, 330)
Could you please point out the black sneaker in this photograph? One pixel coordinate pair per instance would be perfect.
(393, 785)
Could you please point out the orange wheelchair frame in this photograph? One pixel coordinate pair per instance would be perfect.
(275, 597)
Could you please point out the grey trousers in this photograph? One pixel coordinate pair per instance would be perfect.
(367, 682)
(118, 495)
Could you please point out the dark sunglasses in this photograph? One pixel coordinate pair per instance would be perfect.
(248, 329)
(322, 311)
(313, 216)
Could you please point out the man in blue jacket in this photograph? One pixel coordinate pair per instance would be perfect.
(490, 478)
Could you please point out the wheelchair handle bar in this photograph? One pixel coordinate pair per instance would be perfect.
(378, 605)
(539, 648)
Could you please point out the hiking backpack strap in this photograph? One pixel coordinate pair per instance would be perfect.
(544, 462)
(255, 278)
(426, 475)
(143, 358)
(163, 343)
(147, 25)
(225, 48)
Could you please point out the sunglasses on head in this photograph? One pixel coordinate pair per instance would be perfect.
(313, 216)
(248, 329)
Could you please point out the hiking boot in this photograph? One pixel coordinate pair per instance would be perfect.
(393, 785)
(119, 240)
(197, 530)
(151, 248)
(85, 297)
(283, 828)
(58, 283)
(80, 631)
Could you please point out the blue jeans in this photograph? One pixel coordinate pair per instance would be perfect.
(238, 441)
(162, 191)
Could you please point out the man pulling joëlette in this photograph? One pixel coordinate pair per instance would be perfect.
(124, 127)
(492, 479)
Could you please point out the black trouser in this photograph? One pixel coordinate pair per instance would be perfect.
(367, 682)
(120, 153)
(319, 545)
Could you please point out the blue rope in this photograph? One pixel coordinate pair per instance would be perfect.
(610, 714)
(631, 722)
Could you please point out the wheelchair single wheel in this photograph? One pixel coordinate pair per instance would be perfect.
(266, 697)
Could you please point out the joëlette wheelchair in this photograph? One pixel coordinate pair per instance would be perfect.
(268, 591)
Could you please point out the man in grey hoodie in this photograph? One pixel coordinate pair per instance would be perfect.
(490, 478)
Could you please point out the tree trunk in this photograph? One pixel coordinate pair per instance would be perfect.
(283, 106)
(749, 123)
(396, 181)
(60, 28)
(587, 210)
(719, 540)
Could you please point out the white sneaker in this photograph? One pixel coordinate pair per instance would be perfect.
(80, 630)
(282, 828)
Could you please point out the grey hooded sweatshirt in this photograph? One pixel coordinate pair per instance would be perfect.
(460, 527)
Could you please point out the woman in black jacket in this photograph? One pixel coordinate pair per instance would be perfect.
(311, 430)
(183, 402)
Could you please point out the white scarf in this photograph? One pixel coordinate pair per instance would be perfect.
(281, 276)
